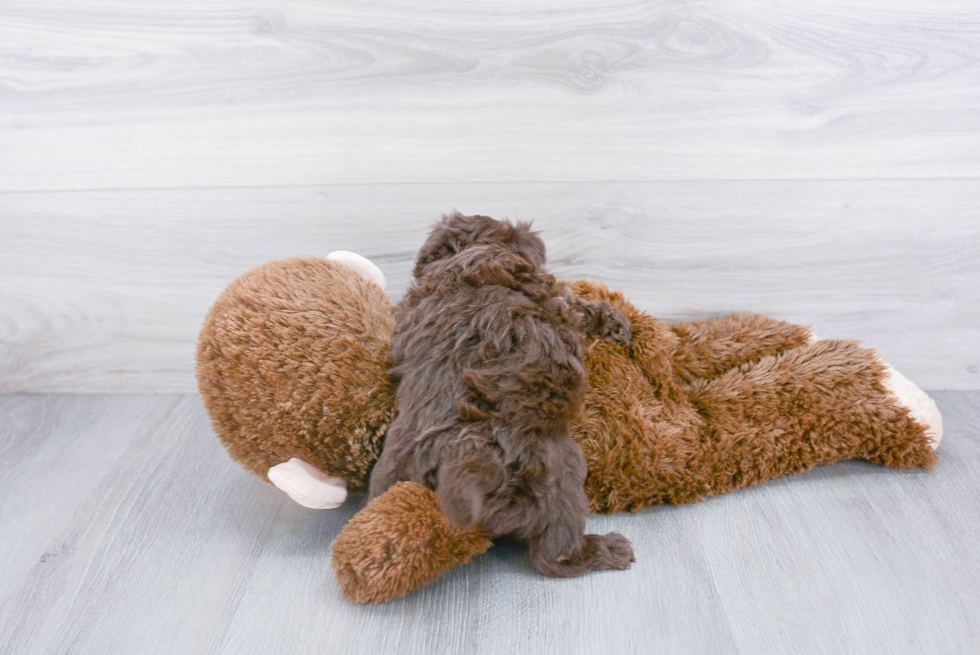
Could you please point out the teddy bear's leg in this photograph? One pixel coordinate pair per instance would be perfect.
(709, 348)
(818, 403)
(307, 485)
(919, 405)
(362, 265)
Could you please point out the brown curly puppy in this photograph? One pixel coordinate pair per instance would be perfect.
(488, 352)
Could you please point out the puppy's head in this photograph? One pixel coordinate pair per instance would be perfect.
(455, 233)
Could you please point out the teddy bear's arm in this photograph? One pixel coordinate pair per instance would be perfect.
(399, 542)
(709, 348)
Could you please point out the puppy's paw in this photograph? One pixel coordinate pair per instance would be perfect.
(620, 550)
(612, 325)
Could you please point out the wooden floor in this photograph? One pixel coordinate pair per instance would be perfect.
(126, 529)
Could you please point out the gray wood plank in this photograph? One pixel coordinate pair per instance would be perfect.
(116, 94)
(105, 291)
(131, 557)
(54, 451)
(126, 529)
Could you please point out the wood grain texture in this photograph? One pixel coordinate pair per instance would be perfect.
(126, 529)
(105, 291)
(816, 161)
(114, 94)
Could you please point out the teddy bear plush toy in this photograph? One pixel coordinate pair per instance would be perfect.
(292, 367)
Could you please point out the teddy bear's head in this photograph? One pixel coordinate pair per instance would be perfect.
(292, 365)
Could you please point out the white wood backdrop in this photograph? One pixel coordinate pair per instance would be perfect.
(818, 161)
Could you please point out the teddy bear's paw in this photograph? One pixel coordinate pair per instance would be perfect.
(307, 485)
(921, 407)
(364, 266)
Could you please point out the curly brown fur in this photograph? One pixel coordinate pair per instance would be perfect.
(488, 352)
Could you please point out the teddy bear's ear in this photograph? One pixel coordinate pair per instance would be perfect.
(307, 485)
(364, 266)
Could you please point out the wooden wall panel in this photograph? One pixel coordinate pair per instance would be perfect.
(118, 94)
(105, 291)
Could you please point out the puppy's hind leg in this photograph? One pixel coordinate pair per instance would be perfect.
(558, 555)
(384, 474)
(598, 552)
(561, 550)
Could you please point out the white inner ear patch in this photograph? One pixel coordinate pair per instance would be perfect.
(307, 485)
(364, 266)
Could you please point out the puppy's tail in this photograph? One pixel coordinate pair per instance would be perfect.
(464, 484)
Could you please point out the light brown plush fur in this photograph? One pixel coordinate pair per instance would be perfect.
(689, 410)
(708, 407)
(292, 361)
(372, 567)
